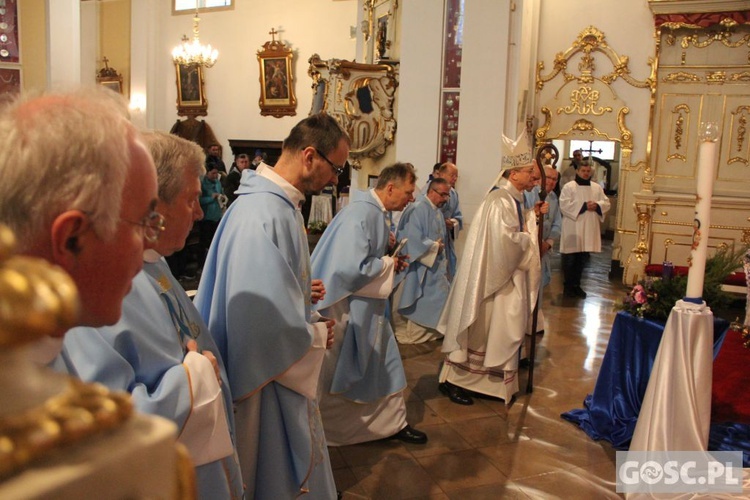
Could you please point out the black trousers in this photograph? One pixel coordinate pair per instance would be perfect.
(572, 267)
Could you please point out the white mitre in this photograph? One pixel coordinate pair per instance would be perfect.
(516, 154)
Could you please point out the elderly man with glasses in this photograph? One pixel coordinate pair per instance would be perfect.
(90, 206)
(256, 295)
(161, 351)
(487, 313)
(426, 286)
(451, 210)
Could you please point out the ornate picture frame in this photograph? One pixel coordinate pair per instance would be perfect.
(379, 30)
(191, 96)
(276, 79)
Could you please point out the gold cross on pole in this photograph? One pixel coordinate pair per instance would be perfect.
(273, 34)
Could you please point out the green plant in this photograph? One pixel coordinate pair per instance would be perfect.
(654, 298)
(316, 227)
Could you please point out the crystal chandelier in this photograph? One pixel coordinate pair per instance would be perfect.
(192, 53)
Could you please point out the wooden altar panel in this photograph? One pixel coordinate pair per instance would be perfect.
(676, 150)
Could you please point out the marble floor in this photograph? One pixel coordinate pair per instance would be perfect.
(490, 450)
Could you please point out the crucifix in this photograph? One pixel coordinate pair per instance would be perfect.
(273, 34)
(591, 149)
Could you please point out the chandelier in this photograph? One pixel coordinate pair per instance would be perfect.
(192, 53)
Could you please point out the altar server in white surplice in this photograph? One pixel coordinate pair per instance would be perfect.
(491, 298)
(425, 287)
(583, 205)
(256, 296)
(363, 377)
(160, 351)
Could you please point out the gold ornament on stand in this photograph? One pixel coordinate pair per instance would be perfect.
(42, 411)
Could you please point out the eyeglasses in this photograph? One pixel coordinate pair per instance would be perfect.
(336, 169)
(444, 195)
(152, 225)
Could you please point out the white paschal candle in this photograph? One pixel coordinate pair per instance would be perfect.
(704, 190)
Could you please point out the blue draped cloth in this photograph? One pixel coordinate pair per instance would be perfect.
(611, 411)
(730, 436)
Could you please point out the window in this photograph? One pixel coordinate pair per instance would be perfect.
(188, 6)
(607, 149)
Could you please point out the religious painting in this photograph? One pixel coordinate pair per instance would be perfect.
(9, 49)
(379, 30)
(191, 98)
(10, 81)
(382, 44)
(276, 80)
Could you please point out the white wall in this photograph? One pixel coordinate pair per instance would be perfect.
(420, 84)
(232, 85)
(63, 59)
(484, 86)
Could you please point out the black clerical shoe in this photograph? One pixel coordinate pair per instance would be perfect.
(579, 292)
(455, 394)
(410, 435)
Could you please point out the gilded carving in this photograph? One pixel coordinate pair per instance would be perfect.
(746, 236)
(638, 257)
(678, 131)
(360, 97)
(583, 125)
(716, 77)
(541, 132)
(626, 136)
(726, 37)
(588, 41)
(584, 101)
(681, 77)
(739, 119)
(740, 77)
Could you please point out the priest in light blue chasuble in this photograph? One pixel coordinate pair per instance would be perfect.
(425, 287)
(256, 295)
(451, 210)
(160, 351)
(363, 377)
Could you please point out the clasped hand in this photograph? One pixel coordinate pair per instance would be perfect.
(192, 346)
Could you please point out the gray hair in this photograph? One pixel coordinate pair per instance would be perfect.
(173, 156)
(63, 151)
(397, 173)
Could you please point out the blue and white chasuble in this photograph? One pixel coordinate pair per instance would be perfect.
(363, 376)
(552, 226)
(255, 296)
(425, 287)
(451, 210)
(145, 354)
